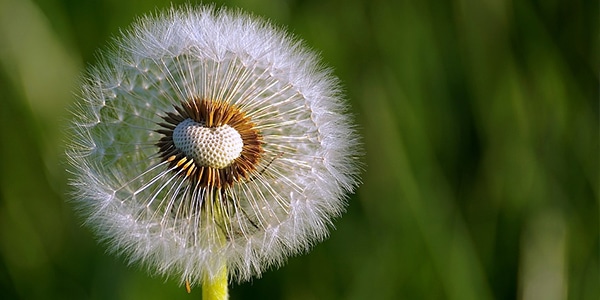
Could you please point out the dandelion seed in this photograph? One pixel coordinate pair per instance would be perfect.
(209, 145)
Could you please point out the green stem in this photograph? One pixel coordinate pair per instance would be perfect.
(216, 288)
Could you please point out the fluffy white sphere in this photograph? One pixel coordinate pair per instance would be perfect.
(269, 189)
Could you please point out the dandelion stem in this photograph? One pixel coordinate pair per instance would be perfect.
(216, 288)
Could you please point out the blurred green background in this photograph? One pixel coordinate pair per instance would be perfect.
(480, 123)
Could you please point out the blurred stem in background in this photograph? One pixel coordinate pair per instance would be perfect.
(481, 128)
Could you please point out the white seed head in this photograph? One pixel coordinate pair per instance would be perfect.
(215, 147)
(211, 138)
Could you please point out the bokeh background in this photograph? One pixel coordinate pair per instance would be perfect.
(481, 129)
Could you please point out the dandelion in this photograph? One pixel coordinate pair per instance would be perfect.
(209, 145)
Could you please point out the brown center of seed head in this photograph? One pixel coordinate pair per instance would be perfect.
(209, 114)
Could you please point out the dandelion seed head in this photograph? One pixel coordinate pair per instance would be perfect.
(207, 138)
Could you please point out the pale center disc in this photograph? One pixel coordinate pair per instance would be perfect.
(215, 147)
